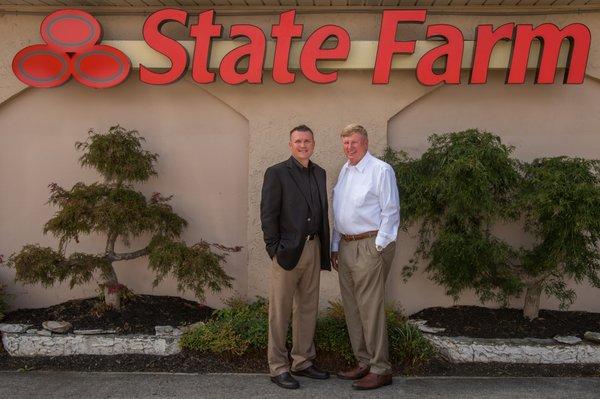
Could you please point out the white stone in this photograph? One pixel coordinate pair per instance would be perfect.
(430, 330)
(592, 336)
(14, 328)
(57, 326)
(417, 322)
(191, 327)
(567, 339)
(45, 333)
(530, 350)
(163, 330)
(70, 344)
(93, 332)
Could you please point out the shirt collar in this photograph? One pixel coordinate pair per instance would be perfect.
(362, 164)
(299, 165)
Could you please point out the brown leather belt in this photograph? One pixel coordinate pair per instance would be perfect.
(361, 236)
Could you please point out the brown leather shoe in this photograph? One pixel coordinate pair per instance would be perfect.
(355, 374)
(373, 381)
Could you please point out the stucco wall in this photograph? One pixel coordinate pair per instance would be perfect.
(203, 162)
(245, 128)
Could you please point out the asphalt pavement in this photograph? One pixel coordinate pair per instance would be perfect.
(34, 384)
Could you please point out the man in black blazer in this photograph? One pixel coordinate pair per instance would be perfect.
(295, 224)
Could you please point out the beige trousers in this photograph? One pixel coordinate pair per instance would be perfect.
(294, 291)
(363, 272)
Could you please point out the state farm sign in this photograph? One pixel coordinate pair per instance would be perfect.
(71, 49)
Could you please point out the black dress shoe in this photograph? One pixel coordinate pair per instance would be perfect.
(312, 372)
(285, 380)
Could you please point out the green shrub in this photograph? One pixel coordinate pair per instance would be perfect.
(331, 334)
(233, 330)
(242, 327)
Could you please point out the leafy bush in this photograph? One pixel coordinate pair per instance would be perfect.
(235, 329)
(331, 333)
(560, 202)
(115, 210)
(468, 181)
(457, 190)
(242, 327)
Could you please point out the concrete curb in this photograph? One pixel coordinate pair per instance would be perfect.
(30, 342)
(526, 350)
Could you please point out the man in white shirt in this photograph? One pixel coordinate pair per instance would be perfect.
(366, 220)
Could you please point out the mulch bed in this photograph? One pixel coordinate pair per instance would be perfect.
(139, 314)
(479, 322)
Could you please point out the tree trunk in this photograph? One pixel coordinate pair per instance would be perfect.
(531, 308)
(112, 291)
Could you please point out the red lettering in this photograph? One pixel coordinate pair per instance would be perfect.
(283, 34)
(388, 46)
(254, 51)
(551, 39)
(204, 31)
(168, 47)
(452, 51)
(485, 40)
(312, 52)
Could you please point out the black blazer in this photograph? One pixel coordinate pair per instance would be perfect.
(284, 212)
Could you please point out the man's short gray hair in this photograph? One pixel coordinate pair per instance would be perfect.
(354, 128)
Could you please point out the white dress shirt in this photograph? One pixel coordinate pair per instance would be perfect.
(365, 198)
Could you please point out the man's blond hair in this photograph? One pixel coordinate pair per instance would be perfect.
(354, 128)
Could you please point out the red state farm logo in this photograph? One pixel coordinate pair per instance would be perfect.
(71, 50)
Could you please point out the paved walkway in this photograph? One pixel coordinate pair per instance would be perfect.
(230, 386)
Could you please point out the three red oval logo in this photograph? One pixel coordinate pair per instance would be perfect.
(71, 50)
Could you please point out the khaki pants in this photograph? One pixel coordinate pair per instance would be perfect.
(363, 272)
(296, 291)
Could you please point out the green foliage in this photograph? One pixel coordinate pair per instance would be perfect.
(560, 200)
(407, 344)
(463, 184)
(195, 267)
(242, 327)
(114, 209)
(467, 181)
(35, 264)
(118, 155)
(331, 333)
(236, 329)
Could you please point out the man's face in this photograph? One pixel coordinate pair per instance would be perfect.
(302, 145)
(355, 147)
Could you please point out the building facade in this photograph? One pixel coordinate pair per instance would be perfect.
(216, 140)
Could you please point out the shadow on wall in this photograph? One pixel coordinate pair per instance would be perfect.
(539, 120)
(203, 161)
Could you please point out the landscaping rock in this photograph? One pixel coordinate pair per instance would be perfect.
(417, 322)
(190, 327)
(431, 330)
(44, 333)
(568, 339)
(59, 327)
(93, 332)
(70, 344)
(14, 328)
(163, 330)
(592, 336)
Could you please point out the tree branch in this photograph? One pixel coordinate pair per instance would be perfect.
(128, 256)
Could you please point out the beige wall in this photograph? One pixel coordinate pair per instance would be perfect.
(203, 162)
(238, 131)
